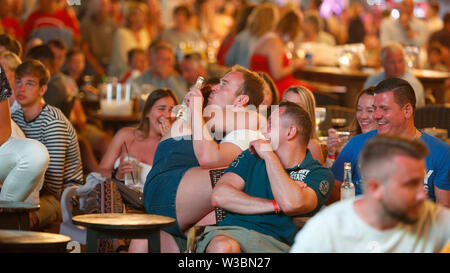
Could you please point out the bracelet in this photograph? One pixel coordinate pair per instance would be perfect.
(331, 156)
(275, 206)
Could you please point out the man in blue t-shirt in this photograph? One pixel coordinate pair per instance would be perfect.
(394, 104)
(266, 186)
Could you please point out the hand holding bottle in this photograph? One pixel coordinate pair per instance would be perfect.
(332, 141)
(194, 94)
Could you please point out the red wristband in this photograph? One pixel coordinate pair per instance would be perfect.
(331, 156)
(275, 206)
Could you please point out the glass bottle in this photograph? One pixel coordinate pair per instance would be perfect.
(182, 112)
(347, 187)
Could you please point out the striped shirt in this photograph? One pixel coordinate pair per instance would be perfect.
(55, 131)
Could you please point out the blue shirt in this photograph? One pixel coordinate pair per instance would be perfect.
(437, 162)
(252, 169)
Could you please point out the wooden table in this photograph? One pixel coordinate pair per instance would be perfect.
(30, 241)
(114, 123)
(354, 80)
(14, 215)
(434, 80)
(123, 225)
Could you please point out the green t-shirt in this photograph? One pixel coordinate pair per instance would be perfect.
(252, 169)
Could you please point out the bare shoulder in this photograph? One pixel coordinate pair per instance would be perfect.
(266, 43)
(125, 134)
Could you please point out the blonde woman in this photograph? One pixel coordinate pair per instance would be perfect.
(10, 61)
(262, 20)
(305, 98)
(271, 55)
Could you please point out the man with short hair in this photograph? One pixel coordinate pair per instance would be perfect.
(394, 103)
(48, 125)
(57, 93)
(162, 73)
(137, 63)
(265, 186)
(394, 64)
(393, 215)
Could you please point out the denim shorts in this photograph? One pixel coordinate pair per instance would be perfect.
(160, 197)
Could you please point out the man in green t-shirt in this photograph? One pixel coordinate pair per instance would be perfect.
(266, 186)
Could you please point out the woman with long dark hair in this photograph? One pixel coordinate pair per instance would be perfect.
(140, 143)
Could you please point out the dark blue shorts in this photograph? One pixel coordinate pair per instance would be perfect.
(161, 197)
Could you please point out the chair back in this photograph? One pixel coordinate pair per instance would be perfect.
(433, 116)
(335, 111)
(214, 176)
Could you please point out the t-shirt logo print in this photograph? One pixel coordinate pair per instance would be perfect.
(324, 187)
(236, 161)
(299, 175)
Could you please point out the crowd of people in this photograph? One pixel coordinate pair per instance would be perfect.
(251, 117)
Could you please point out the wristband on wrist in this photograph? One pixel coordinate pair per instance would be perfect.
(331, 156)
(275, 206)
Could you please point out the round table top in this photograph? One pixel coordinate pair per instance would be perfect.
(15, 206)
(123, 220)
(17, 237)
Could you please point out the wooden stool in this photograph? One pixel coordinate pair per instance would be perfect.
(31, 241)
(123, 226)
(14, 215)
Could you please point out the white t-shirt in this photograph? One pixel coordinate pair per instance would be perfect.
(339, 229)
(242, 137)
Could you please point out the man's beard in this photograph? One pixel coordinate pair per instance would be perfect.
(400, 216)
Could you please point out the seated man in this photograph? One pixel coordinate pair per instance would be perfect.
(161, 72)
(394, 106)
(178, 184)
(393, 215)
(23, 161)
(48, 125)
(57, 93)
(394, 66)
(266, 186)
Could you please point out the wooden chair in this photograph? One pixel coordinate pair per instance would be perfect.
(433, 116)
(220, 214)
(335, 111)
(325, 99)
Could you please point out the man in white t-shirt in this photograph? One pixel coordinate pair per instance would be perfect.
(393, 215)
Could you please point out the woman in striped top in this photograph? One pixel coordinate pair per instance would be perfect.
(48, 125)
